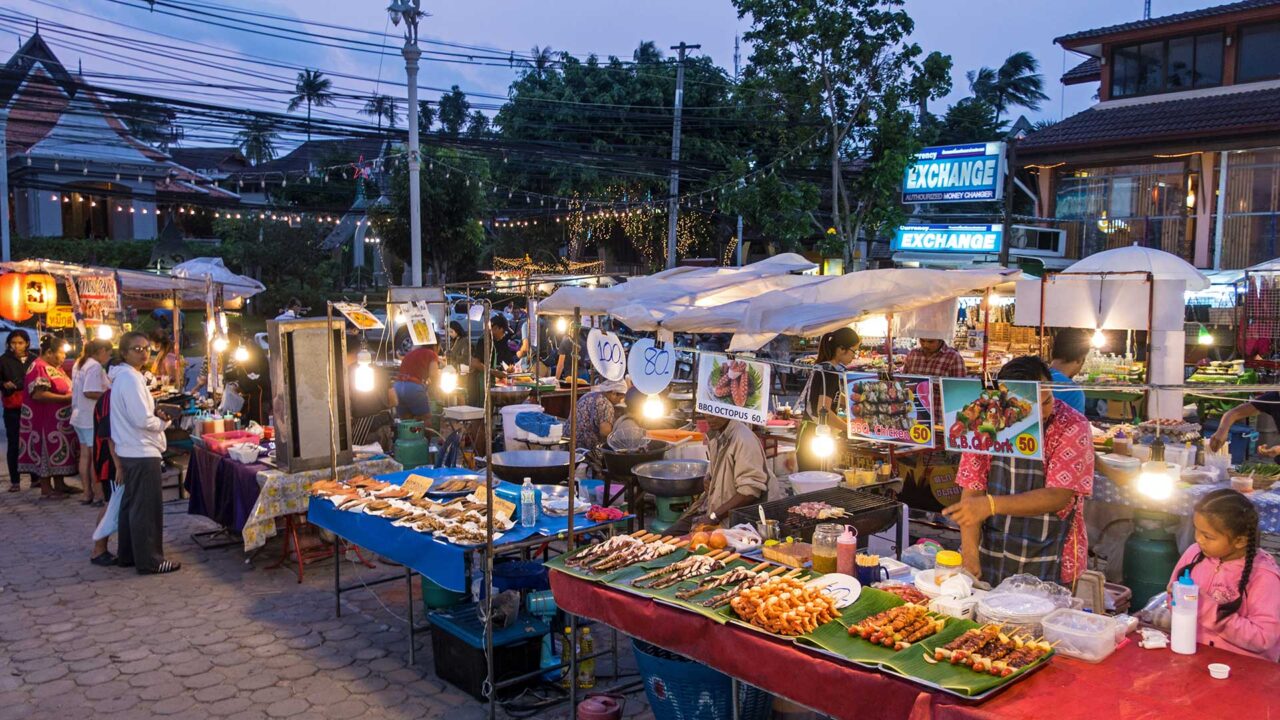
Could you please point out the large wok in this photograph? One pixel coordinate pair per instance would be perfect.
(544, 467)
(671, 478)
(619, 463)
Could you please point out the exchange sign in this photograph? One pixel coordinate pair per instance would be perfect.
(956, 173)
(949, 238)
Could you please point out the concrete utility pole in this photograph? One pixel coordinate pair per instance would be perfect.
(673, 202)
(737, 59)
(4, 187)
(411, 12)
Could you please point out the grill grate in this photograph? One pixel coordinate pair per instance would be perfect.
(867, 512)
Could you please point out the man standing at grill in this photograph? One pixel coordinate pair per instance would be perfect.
(1027, 516)
(934, 357)
(138, 435)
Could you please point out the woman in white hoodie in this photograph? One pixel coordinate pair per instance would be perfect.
(138, 435)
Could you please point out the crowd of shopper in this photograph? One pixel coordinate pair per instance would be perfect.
(99, 423)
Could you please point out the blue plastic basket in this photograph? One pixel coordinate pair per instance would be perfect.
(681, 689)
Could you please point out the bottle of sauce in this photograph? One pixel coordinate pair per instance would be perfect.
(826, 537)
(1185, 604)
(846, 549)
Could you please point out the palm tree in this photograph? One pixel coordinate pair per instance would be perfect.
(382, 107)
(258, 140)
(1015, 83)
(647, 52)
(540, 61)
(312, 88)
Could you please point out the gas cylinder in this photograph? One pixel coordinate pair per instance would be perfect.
(1150, 555)
(412, 449)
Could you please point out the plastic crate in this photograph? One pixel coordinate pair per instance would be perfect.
(219, 442)
(680, 689)
(457, 647)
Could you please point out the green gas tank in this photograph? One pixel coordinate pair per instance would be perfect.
(1150, 555)
(412, 449)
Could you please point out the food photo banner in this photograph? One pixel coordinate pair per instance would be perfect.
(898, 411)
(733, 389)
(1004, 420)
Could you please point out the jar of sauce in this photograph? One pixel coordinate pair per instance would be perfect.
(826, 538)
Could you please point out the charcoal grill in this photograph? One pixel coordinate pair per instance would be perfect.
(866, 512)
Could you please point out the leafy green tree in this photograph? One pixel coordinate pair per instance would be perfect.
(426, 116)
(477, 124)
(1016, 83)
(257, 140)
(311, 88)
(970, 120)
(382, 107)
(288, 258)
(454, 109)
(149, 121)
(850, 63)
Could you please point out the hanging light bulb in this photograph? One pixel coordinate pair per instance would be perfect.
(653, 407)
(823, 444)
(1156, 480)
(363, 379)
(220, 344)
(448, 380)
(104, 332)
(1205, 337)
(562, 324)
(1099, 339)
(66, 346)
(241, 354)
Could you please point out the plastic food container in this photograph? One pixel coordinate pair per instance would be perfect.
(1081, 635)
(1242, 483)
(946, 564)
(1018, 612)
(1219, 671)
(813, 480)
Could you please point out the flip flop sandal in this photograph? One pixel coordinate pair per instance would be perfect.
(15, 488)
(167, 566)
(106, 559)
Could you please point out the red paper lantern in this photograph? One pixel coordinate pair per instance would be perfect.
(40, 291)
(13, 304)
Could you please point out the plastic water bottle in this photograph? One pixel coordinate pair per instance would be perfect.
(1185, 602)
(528, 504)
(586, 668)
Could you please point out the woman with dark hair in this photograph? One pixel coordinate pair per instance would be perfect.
(165, 364)
(14, 364)
(88, 383)
(48, 447)
(822, 395)
(459, 352)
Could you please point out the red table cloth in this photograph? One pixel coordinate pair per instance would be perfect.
(1132, 684)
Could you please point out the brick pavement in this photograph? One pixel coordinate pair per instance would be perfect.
(222, 638)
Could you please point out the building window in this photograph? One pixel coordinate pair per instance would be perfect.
(1110, 207)
(1183, 63)
(1251, 233)
(1259, 53)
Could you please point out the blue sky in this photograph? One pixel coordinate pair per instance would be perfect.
(974, 33)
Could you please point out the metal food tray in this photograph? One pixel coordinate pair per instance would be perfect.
(867, 512)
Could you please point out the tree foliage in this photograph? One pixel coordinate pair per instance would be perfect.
(382, 107)
(311, 88)
(257, 140)
(1016, 83)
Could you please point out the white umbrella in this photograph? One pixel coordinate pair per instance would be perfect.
(1161, 265)
(212, 268)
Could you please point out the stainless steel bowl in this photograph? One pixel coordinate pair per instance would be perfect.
(671, 478)
(505, 395)
(544, 467)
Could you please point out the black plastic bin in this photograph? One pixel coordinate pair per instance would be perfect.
(457, 643)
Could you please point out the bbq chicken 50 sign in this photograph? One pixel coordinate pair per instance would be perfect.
(956, 173)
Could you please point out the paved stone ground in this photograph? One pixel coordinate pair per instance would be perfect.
(221, 638)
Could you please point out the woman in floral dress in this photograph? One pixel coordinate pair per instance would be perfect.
(48, 447)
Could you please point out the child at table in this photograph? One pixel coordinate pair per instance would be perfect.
(1239, 607)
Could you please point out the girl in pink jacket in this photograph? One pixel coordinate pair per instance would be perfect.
(1239, 584)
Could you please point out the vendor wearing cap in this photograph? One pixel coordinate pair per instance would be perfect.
(1027, 516)
(1268, 403)
(737, 475)
(596, 413)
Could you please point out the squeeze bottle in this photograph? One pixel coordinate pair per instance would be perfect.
(1184, 599)
(846, 549)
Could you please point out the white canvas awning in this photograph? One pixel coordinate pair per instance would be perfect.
(673, 289)
(832, 303)
(146, 284)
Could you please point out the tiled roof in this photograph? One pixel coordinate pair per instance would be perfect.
(1088, 71)
(1209, 117)
(317, 153)
(1168, 19)
(208, 158)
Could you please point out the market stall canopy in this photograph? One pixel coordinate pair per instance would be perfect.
(833, 302)
(234, 286)
(669, 286)
(143, 284)
(1161, 265)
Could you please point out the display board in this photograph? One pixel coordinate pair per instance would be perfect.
(733, 388)
(897, 411)
(1001, 420)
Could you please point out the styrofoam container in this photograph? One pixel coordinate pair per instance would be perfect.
(509, 429)
(813, 480)
(1081, 635)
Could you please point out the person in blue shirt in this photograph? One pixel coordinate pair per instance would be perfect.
(1070, 348)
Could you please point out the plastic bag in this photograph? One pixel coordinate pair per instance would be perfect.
(110, 521)
(1156, 612)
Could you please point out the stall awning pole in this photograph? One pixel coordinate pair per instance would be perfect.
(986, 329)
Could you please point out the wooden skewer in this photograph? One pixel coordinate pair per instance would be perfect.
(730, 558)
(639, 533)
(759, 567)
(777, 571)
(793, 573)
(682, 543)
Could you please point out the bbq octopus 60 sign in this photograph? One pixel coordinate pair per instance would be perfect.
(1002, 420)
(734, 389)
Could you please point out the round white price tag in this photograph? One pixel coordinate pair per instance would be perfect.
(651, 367)
(607, 355)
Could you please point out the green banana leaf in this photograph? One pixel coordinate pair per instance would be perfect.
(694, 604)
(910, 663)
(835, 639)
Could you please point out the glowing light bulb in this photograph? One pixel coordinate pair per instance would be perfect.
(1099, 339)
(823, 445)
(241, 354)
(653, 407)
(1155, 481)
(362, 378)
(448, 380)
(1205, 337)
(66, 346)
(562, 325)
(105, 332)
(220, 344)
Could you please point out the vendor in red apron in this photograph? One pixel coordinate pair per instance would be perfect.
(1027, 516)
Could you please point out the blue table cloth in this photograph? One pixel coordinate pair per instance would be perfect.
(441, 561)
(1182, 502)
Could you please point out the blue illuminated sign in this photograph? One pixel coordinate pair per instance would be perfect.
(956, 173)
(949, 238)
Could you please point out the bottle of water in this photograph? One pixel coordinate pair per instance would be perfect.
(528, 504)
(1185, 601)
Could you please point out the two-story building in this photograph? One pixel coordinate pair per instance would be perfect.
(1182, 150)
